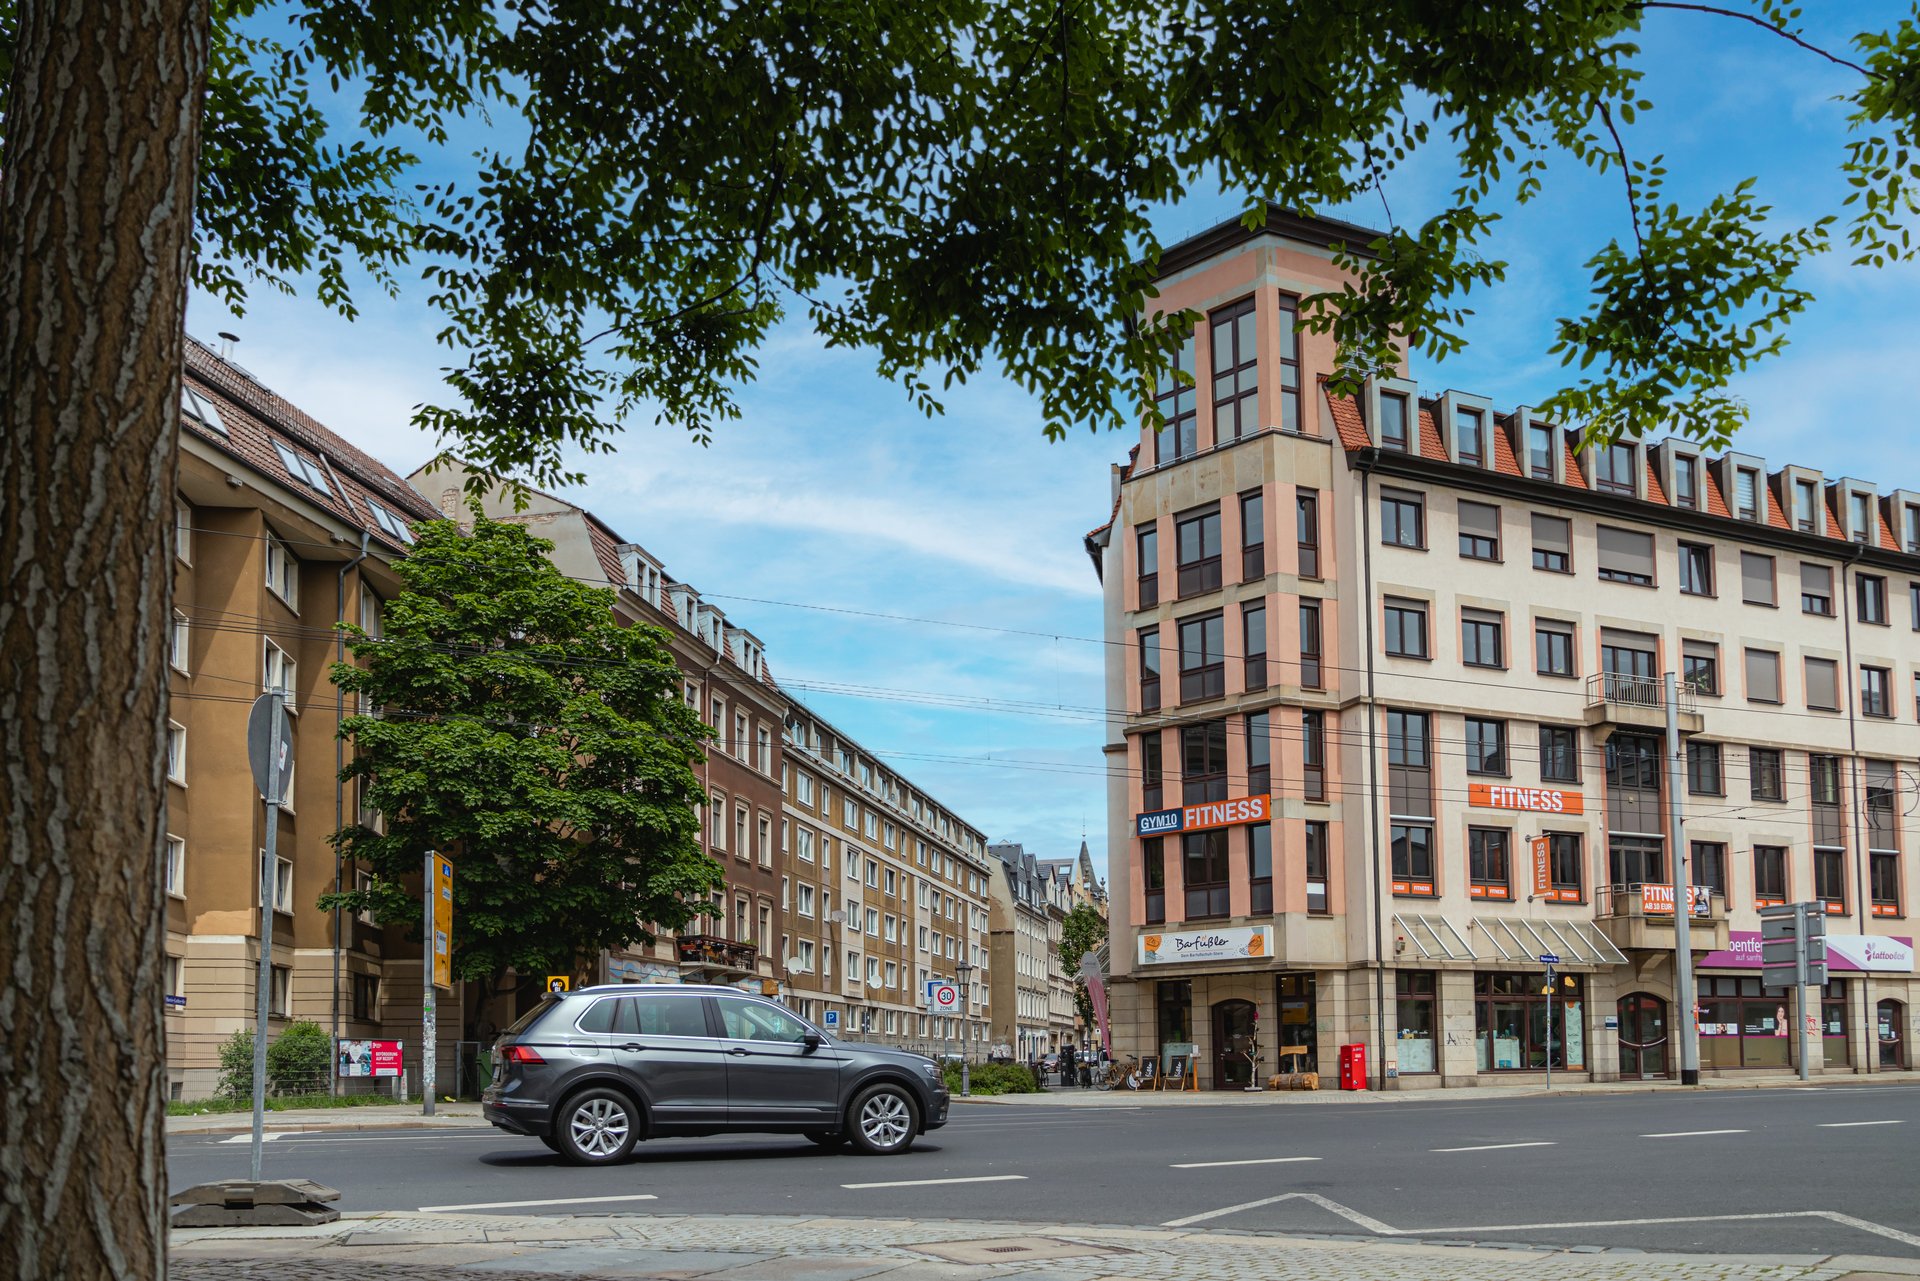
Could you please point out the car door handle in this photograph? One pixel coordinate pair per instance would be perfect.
(633, 1046)
(736, 1050)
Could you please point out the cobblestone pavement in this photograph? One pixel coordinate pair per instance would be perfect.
(413, 1247)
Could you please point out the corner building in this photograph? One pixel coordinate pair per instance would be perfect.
(1388, 681)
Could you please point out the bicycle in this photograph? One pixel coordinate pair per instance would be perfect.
(1120, 1073)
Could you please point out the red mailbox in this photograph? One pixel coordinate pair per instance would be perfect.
(1353, 1067)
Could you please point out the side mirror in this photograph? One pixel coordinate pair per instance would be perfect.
(812, 1041)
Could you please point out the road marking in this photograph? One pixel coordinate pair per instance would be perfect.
(522, 1205)
(1496, 1147)
(1689, 1134)
(1346, 1212)
(268, 1137)
(927, 1183)
(1844, 1125)
(1264, 1160)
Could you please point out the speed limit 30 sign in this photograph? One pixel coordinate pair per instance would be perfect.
(942, 998)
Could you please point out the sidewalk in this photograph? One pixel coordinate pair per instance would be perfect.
(371, 1116)
(401, 1247)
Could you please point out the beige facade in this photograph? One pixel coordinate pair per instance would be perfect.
(1032, 1002)
(1369, 652)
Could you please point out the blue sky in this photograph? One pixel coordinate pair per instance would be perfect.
(833, 500)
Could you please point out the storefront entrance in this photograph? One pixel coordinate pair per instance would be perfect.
(1517, 1029)
(1298, 1019)
(1891, 1019)
(1235, 1025)
(1643, 1037)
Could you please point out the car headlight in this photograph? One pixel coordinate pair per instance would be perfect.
(931, 1068)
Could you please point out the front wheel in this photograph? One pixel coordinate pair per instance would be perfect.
(884, 1120)
(597, 1127)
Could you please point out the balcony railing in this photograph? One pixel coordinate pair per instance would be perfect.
(1637, 691)
(1655, 902)
(710, 951)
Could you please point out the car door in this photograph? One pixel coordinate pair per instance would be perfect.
(663, 1041)
(775, 1078)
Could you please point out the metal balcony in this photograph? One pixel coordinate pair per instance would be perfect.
(715, 955)
(1620, 702)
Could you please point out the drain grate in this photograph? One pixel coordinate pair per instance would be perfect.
(1009, 1249)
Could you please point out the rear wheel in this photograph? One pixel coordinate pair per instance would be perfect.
(596, 1127)
(884, 1120)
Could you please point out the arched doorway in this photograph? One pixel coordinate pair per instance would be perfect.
(1890, 1024)
(1643, 1037)
(1235, 1032)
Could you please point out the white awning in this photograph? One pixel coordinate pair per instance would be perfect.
(1574, 942)
(1433, 937)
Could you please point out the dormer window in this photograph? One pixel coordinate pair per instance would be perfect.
(1470, 437)
(1540, 451)
(1913, 535)
(1860, 517)
(1614, 472)
(1746, 489)
(1806, 502)
(1686, 483)
(201, 410)
(388, 521)
(1393, 422)
(303, 469)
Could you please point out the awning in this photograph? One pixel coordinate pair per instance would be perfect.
(1433, 937)
(1574, 942)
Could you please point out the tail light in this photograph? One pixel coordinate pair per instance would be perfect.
(521, 1054)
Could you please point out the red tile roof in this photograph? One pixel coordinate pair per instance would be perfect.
(1888, 541)
(1503, 460)
(1431, 446)
(1346, 420)
(1833, 522)
(1571, 463)
(1655, 494)
(1716, 501)
(1775, 517)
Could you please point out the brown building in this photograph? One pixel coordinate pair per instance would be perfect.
(284, 530)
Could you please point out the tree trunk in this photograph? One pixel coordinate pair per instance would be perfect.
(96, 192)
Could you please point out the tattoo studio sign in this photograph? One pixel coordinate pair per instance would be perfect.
(1198, 818)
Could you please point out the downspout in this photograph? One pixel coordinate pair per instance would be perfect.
(339, 785)
(1848, 606)
(1368, 457)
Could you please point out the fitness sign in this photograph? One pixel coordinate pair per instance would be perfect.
(1207, 814)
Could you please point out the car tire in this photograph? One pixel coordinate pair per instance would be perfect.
(883, 1120)
(828, 1139)
(597, 1126)
(553, 1143)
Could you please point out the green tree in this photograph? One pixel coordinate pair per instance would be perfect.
(1083, 930)
(538, 743)
(952, 187)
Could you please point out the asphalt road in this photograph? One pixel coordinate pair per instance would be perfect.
(1792, 1170)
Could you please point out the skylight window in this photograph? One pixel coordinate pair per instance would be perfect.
(303, 469)
(201, 410)
(390, 522)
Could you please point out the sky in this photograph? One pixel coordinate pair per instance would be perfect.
(923, 583)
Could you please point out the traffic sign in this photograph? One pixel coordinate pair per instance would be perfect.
(1548, 958)
(942, 998)
(263, 726)
(557, 983)
(832, 1018)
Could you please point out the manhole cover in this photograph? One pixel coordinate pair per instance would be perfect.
(1002, 1249)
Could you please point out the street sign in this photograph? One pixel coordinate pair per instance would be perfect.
(1548, 958)
(832, 1018)
(265, 759)
(557, 983)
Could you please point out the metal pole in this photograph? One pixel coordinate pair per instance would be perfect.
(1549, 1027)
(1800, 983)
(1682, 898)
(429, 1017)
(263, 983)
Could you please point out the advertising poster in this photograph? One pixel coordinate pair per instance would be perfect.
(370, 1058)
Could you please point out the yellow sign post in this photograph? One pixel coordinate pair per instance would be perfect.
(442, 923)
(437, 947)
(559, 983)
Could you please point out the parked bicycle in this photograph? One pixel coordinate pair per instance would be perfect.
(1121, 1073)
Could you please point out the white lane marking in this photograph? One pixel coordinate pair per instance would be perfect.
(1689, 1134)
(1847, 1125)
(268, 1137)
(1381, 1229)
(1496, 1147)
(927, 1183)
(521, 1205)
(1263, 1160)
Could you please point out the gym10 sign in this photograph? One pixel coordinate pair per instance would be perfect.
(1200, 817)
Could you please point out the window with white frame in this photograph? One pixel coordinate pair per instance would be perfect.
(363, 884)
(176, 753)
(849, 813)
(893, 980)
(890, 838)
(177, 642)
(873, 874)
(803, 787)
(176, 867)
(803, 956)
(763, 744)
(302, 468)
(873, 971)
(389, 522)
(766, 841)
(717, 837)
(892, 929)
(873, 922)
(872, 826)
(277, 991)
(741, 744)
(283, 573)
(183, 533)
(803, 844)
(282, 882)
(740, 817)
(176, 977)
(278, 672)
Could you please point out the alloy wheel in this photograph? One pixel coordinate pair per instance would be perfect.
(885, 1120)
(599, 1127)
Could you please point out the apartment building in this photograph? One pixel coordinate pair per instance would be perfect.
(284, 530)
(726, 678)
(1391, 676)
(884, 890)
(1033, 999)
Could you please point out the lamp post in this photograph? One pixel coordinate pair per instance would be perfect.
(965, 970)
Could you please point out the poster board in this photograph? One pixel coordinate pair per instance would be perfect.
(1179, 1066)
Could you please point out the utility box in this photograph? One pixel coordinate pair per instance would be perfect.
(1353, 1067)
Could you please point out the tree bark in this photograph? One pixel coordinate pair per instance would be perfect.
(96, 192)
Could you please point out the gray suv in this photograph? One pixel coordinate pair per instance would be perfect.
(590, 1072)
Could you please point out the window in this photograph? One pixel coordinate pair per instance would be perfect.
(1149, 669)
(1566, 866)
(1175, 397)
(1198, 542)
(1289, 338)
(1253, 643)
(741, 849)
(1913, 601)
(1412, 858)
(1709, 869)
(1913, 527)
(1479, 531)
(1696, 569)
(1153, 867)
(1763, 676)
(1204, 863)
(363, 882)
(1860, 517)
(1253, 536)
(1764, 774)
(200, 407)
(1626, 556)
(183, 533)
(803, 787)
(1806, 505)
(1559, 754)
(1770, 874)
(1883, 882)
(1470, 437)
(1553, 648)
(177, 642)
(1830, 877)
(1394, 433)
(1487, 863)
(1406, 628)
(1875, 691)
(1482, 638)
(1703, 769)
(278, 672)
(303, 469)
(176, 753)
(1314, 858)
(1552, 544)
(1402, 519)
(176, 867)
(1311, 676)
(1686, 482)
(1235, 373)
(1816, 589)
(873, 923)
(278, 985)
(1700, 666)
(282, 885)
(1870, 593)
(753, 1021)
(1203, 671)
(1260, 869)
(395, 528)
(1823, 684)
(1756, 579)
(1486, 746)
(1151, 786)
(283, 573)
(1414, 1017)
(1540, 451)
(1614, 467)
(366, 998)
(1146, 542)
(1746, 488)
(1203, 762)
(1313, 755)
(1307, 521)
(1259, 755)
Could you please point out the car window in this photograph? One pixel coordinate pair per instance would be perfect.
(599, 1017)
(664, 1016)
(526, 1020)
(746, 1021)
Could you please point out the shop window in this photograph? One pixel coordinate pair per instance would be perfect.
(1519, 1028)
(1487, 863)
(1299, 1046)
(1416, 1006)
(1173, 1002)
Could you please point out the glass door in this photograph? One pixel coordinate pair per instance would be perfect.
(1643, 1036)
(1235, 1025)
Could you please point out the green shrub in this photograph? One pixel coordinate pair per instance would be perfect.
(236, 1065)
(300, 1060)
(994, 1078)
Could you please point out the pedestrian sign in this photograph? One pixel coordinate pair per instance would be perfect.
(558, 983)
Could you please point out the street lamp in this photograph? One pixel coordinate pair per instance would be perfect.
(965, 970)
